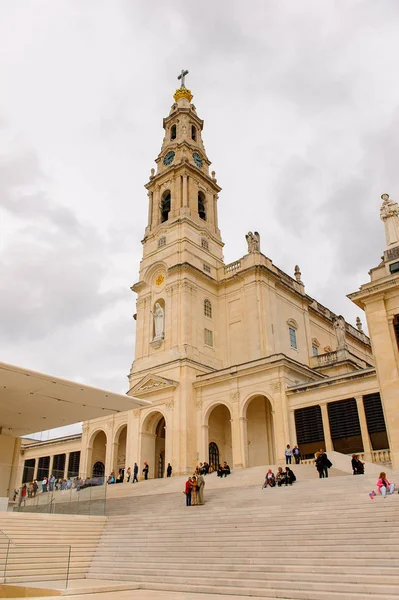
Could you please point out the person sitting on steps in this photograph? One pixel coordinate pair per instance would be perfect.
(384, 485)
(280, 477)
(289, 476)
(270, 479)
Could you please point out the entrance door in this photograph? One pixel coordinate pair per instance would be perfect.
(161, 464)
(213, 455)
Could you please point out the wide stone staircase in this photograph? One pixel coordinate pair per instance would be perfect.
(39, 547)
(317, 540)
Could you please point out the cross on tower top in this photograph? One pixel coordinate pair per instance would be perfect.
(182, 76)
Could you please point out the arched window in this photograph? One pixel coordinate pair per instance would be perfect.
(292, 327)
(201, 206)
(208, 308)
(193, 133)
(173, 132)
(165, 206)
(161, 241)
(98, 469)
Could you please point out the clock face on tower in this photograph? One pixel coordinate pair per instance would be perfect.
(197, 159)
(169, 158)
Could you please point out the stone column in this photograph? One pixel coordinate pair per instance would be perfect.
(326, 428)
(238, 460)
(67, 454)
(367, 449)
(110, 452)
(291, 419)
(185, 194)
(150, 208)
(50, 469)
(244, 441)
(204, 450)
(35, 468)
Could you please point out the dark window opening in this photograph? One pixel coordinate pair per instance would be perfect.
(98, 469)
(43, 467)
(345, 426)
(73, 464)
(193, 133)
(201, 206)
(29, 469)
(309, 430)
(375, 421)
(396, 328)
(173, 132)
(59, 466)
(165, 207)
(394, 267)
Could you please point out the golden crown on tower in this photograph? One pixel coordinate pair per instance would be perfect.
(182, 91)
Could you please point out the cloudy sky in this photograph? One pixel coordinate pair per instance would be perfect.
(300, 101)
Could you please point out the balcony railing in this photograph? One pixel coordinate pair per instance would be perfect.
(232, 267)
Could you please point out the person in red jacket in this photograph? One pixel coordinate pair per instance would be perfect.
(187, 491)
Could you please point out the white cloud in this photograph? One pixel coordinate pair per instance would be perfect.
(300, 102)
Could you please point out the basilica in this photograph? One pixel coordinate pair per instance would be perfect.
(237, 360)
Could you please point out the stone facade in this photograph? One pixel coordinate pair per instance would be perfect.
(228, 354)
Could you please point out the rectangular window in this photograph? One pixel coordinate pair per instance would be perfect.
(293, 338)
(208, 337)
(29, 469)
(206, 268)
(394, 267)
(315, 351)
(73, 465)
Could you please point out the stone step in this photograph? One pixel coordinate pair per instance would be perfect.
(271, 593)
(266, 574)
(272, 565)
(283, 584)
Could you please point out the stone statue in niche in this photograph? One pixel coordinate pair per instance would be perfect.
(253, 241)
(159, 318)
(389, 215)
(339, 328)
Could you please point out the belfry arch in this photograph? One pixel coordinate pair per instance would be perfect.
(259, 432)
(153, 444)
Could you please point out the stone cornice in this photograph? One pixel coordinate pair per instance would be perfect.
(259, 365)
(172, 172)
(372, 289)
(354, 375)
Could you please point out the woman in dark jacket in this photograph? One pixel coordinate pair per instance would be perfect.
(357, 465)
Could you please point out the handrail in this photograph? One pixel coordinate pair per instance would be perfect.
(21, 546)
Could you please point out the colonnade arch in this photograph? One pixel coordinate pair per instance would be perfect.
(219, 439)
(120, 441)
(259, 443)
(97, 454)
(153, 443)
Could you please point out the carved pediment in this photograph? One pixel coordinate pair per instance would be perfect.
(152, 383)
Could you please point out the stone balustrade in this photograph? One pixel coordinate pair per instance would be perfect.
(232, 267)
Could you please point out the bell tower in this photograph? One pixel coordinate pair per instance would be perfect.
(182, 246)
(182, 187)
